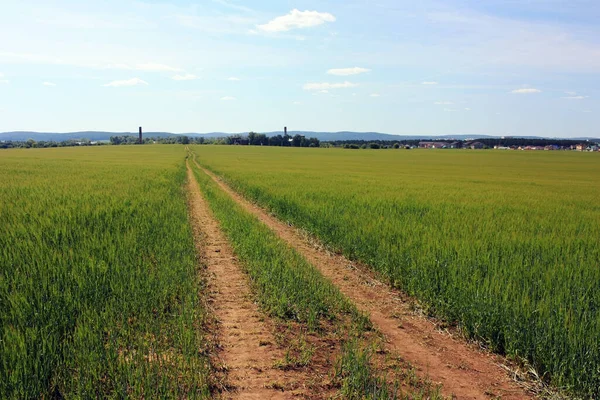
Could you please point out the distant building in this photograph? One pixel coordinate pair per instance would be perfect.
(476, 145)
(533, 148)
(552, 147)
(455, 145)
(580, 147)
(434, 145)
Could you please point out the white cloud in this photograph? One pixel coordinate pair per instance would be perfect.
(217, 24)
(233, 79)
(4, 81)
(467, 109)
(575, 97)
(443, 103)
(296, 19)
(126, 82)
(571, 93)
(156, 67)
(374, 95)
(526, 91)
(325, 85)
(297, 103)
(228, 98)
(518, 42)
(184, 77)
(49, 84)
(149, 67)
(347, 71)
(429, 83)
(324, 91)
(234, 6)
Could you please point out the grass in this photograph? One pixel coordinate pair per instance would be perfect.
(506, 244)
(359, 378)
(99, 283)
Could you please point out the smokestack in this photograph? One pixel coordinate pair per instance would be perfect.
(140, 135)
(285, 130)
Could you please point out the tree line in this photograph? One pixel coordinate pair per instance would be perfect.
(260, 139)
(30, 143)
(252, 139)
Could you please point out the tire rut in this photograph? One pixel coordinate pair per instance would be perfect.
(248, 352)
(464, 370)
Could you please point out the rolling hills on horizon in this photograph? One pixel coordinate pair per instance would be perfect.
(323, 136)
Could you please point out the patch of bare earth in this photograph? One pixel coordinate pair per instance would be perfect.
(463, 369)
(249, 357)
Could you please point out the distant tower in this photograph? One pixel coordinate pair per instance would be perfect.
(285, 130)
(140, 135)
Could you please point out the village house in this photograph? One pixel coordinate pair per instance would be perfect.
(434, 145)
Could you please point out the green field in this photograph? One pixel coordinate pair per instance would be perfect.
(99, 283)
(102, 295)
(507, 244)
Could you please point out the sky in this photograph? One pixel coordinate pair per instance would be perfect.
(488, 67)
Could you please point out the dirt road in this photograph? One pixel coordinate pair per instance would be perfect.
(248, 351)
(465, 371)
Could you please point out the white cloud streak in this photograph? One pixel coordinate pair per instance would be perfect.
(228, 98)
(126, 82)
(526, 91)
(296, 19)
(327, 86)
(429, 83)
(575, 97)
(375, 95)
(347, 71)
(148, 67)
(233, 79)
(184, 77)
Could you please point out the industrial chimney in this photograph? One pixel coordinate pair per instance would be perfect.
(285, 130)
(140, 135)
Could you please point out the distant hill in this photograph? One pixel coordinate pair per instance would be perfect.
(323, 136)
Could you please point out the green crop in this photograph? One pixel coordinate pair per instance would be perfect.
(99, 282)
(507, 244)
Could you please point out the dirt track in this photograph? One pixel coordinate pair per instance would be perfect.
(248, 350)
(465, 371)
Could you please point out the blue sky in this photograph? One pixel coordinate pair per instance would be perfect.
(426, 67)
